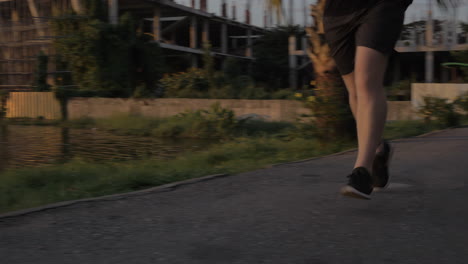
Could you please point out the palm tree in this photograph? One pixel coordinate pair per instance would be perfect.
(333, 118)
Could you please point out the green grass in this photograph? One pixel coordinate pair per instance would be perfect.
(189, 126)
(30, 187)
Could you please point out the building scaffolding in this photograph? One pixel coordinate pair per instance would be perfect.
(179, 29)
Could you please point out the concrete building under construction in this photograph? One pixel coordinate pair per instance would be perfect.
(180, 30)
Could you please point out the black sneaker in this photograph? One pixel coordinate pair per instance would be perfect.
(359, 185)
(380, 175)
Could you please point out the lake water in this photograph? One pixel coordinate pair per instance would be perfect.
(26, 146)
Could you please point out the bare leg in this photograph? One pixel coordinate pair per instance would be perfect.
(351, 87)
(371, 110)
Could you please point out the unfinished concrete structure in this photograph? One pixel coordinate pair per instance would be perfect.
(180, 30)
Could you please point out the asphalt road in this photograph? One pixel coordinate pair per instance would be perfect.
(287, 214)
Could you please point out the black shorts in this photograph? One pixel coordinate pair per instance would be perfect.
(377, 26)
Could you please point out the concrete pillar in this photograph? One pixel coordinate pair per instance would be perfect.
(193, 32)
(157, 23)
(10, 53)
(194, 61)
(234, 43)
(444, 75)
(203, 5)
(224, 8)
(306, 10)
(292, 62)
(35, 14)
(429, 28)
(15, 20)
(429, 73)
(291, 12)
(224, 38)
(248, 51)
(304, 44)
(234, 10)
(413, 36)
(113, 6)
(206, 31)
(247, 12)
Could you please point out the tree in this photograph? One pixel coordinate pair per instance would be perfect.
(40, 76)
(105, 59)
(271, 58)
(333, 119)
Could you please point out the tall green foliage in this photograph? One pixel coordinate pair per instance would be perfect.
(106, 60)
(208, 64)
(461, 56)
(40, 76)
(4, 94)
(271, 65)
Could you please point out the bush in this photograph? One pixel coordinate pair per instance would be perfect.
(40, 76)
(461, 103)
(441, 111)
(252, 92)
(215, 122)
(4, 94)
(109, 60)
(190, 84)
(400, 91)
(283, 94)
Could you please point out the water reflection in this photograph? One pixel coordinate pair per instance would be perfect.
(24, 146)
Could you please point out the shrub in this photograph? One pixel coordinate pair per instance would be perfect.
(283, 94)
(190, 84)
(4, 94)
(108, 60)
(439, 110)
(461, 103)
(215, 122)
(40, 76)
(400, 91)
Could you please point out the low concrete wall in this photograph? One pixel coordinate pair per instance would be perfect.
(270, 110)
(442, 90)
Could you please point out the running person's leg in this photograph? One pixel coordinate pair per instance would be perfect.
(371, 107)
(351, 87)
(360, 44)
(366, 91)
(350, 84)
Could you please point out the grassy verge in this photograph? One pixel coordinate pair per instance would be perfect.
(23, 188)
(29, 187)
(189, 126)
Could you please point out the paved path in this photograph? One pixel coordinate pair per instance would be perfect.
(287, 214)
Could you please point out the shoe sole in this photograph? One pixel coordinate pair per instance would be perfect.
(352, 192)
(390, 157)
